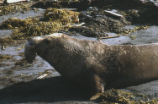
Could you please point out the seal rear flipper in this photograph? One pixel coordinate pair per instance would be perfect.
(97, 87)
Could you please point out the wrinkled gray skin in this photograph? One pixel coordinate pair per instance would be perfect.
(95, 65)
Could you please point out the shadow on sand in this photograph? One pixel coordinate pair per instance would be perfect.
(46, 90)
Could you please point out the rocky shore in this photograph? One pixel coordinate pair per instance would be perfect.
(110, 21)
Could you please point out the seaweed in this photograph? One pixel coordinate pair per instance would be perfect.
(36, 29)
(5, 57)
(13, 23)
(54, 20)
(62, 15)
(120, 96)
(137, 28)
(12, 8)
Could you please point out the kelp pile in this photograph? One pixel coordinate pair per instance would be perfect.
(37, 29)
(12, 8)
(54, 20)
(116, 96)
(4, 57)
(13, 23)
(61, 15)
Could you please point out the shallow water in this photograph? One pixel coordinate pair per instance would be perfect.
(146, 36)
(117, 41)
(24, 15)
(150, 89)
(12, 50)
(110, 41)
(5, 33)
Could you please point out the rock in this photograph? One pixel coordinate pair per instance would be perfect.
(113, 13)
(152, 2)
(98, 22)
(141, 15)
(125, 3)
(14, 1)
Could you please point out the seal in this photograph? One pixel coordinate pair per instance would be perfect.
(95, 65)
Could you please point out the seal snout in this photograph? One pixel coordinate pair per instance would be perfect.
(30, 52)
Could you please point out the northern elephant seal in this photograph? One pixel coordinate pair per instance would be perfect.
(95, 65)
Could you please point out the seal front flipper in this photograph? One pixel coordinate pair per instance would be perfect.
(97, 87)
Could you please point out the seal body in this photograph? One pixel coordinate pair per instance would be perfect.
(95, 65)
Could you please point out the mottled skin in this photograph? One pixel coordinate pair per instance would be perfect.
(95, 65)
